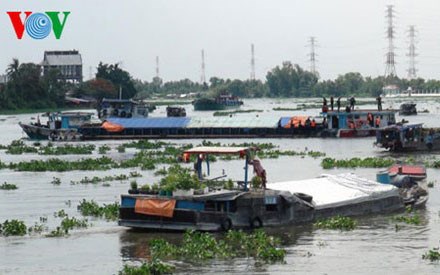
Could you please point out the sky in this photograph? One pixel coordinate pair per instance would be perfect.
(350, 35)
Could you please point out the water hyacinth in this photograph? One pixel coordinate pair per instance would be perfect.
(13, 228)
(338, 222)
(369, 162)
(198, 246)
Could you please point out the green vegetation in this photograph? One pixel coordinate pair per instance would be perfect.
(227, 113)
(433, 255)
(13, 228)
(18, 147)
(103, 163)
(286, 109)
(96, 180)
(179, 178)
(155, 267)
(91, 208)
(56, 181)
(8, 186)
(197, 246)
(369, 162)
(338, 222)
(430, 184)
(104, 149)
(413, 219)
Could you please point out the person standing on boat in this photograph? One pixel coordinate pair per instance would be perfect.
(338, 103)
(370, 119)
(331, 102)
(379, 103)
(352, 102)
(377, 121)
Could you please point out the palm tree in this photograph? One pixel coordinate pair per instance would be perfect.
(12, 70)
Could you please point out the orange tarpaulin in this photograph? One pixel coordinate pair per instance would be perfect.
(296, 121)
(155, 207)
(110, 127)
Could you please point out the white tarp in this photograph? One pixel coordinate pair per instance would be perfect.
(338, 190)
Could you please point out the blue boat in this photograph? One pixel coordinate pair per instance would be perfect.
(59, 127)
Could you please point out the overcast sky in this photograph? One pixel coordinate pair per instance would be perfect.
(350, 35)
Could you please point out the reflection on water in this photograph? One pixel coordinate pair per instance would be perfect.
(375, 246)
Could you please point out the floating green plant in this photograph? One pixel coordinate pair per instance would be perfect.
(104, 149)
(328, 163)
(13, 228)
(204, 246)
(413, 219)
(8, 186)
(91, 208)
(338, 222)
(56, 181)
(227, 113)
(155, 267)
(433, 255)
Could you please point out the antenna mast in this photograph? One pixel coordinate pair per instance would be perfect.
(252, 62)
(390, 69)
(412, 53)
(203, 77)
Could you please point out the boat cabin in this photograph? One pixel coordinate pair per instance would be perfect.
(123, 108)
(359, 119)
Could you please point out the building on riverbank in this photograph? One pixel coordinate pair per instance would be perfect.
(69, 63)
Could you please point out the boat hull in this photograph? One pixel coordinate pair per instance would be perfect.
(354, 133)
(35, 132)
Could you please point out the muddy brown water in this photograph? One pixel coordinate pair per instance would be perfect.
(373, 247)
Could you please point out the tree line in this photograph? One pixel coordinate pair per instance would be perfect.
(28, 88)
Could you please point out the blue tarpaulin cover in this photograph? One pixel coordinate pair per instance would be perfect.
(151, 122)
(284, 121)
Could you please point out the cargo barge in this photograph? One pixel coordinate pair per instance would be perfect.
(332, 124)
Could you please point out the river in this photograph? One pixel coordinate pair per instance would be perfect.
(375, 246)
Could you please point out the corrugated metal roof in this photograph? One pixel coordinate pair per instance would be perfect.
(216, 150)
(62, 59)
(151, 122)
(233, 122)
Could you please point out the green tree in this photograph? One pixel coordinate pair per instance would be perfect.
(120, 78)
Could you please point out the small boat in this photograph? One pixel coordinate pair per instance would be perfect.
(60, 126)
(410, 181)
(408, 137)
(275, 204)
(357, 123)
(176, 111)
(221, 102)
(408, 109)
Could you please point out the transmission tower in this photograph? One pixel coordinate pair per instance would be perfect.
(157, 66)
(252, 62)
(312, 55)
(203, 76)
(412, 53)
(390, 69)
(90, 72)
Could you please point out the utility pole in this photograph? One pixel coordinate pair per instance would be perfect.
(390, 68)
(157, 66)
(252, 62)
(203, 76)
(412, 53)
(312, 55)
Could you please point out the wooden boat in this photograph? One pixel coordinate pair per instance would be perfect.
(416, 172)
(221, 102)
(408, 109)
(60, 126)
(407, 138)
(276, 204)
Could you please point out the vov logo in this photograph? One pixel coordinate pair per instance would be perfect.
(38, 25)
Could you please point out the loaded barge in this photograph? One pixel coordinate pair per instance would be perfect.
(341, 124)
(245, 206)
